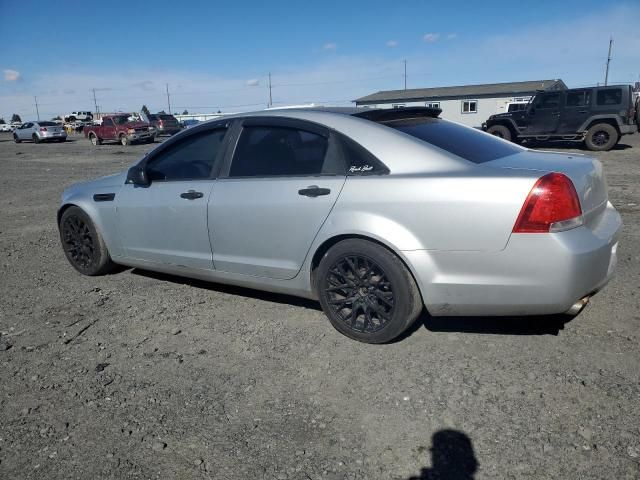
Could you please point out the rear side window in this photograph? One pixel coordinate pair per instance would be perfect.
(467, 143)
(189, 159)
(359, 161)
(609, 96)
(579, 99)
(281, 151)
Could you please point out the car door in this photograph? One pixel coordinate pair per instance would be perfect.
(166, 222)
(544, 114)
(25, 131)
(108, 129)
(274, 194)
(576, 110)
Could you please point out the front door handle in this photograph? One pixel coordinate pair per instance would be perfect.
(314, 191)
(191, 195)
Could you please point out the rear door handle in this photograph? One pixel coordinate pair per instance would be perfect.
(191, 195)
(314, 191)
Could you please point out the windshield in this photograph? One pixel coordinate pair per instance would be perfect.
(121, 120)
(47, 124)
(467, 143)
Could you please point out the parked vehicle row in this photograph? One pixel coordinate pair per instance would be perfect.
(597, 116)
(375, 213)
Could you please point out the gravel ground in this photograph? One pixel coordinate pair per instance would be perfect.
(141, 375)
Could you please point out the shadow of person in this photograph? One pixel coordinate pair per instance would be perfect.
(452, 457)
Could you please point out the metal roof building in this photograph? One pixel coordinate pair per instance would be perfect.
(468, 104)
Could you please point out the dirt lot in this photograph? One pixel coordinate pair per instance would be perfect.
(139, 375)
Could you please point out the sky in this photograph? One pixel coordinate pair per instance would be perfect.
(216, 55)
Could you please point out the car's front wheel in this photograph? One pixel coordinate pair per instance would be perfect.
(366, 291)
(35, 138)
(124, 140)
(500, 131)
(83, 245)
(16, 139)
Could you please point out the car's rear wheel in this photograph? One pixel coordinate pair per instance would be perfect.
(366, 291)
(94, 139)
(16, 139)
(35, 138)
(500, 131)
(124, 140)
(601, 137)
(83, 245)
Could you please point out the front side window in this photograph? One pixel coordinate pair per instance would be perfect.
(609, 96)
(547, 100)
(467, 143)
(189, 159)
(281, 151)
(469, 106)
(107, 122)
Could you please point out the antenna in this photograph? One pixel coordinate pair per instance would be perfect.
(606, 74)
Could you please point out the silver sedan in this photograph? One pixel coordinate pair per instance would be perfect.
(40, 132)
(375, 213)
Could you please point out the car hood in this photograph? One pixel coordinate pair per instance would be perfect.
(136, 124)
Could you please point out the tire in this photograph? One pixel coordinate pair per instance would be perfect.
(35, 138)
(82, 244)
(124, 141)
(500, 131)
(601, 137)
(16, 139)
(387, 299)
(94, 139)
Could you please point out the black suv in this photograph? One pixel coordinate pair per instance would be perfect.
(598, 116)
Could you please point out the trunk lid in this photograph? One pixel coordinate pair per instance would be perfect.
(585, 172)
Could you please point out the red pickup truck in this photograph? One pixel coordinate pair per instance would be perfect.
(119, 128)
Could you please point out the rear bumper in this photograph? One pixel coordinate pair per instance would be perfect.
(628, 129)
(535, 274)
(52, 136)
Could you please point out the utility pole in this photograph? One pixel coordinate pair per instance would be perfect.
(405, 74)
(168, 99)
(606, 74)
(37, 112)
(270, 100)
(95, 104)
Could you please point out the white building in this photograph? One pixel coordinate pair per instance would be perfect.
(467, 104)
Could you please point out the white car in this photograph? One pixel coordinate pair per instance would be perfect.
(5, 127)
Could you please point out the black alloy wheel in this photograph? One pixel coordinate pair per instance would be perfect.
(78, 241)
(366, 291)
(360, 294)
(83, 245)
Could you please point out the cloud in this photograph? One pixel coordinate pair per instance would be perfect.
(431, 37)
(146, 85)
(392, 43)
(451, 36)
(330, 47)
(254, 82)
(11, 75)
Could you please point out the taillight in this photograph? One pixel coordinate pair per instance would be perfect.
(43, 129)
(551, 206)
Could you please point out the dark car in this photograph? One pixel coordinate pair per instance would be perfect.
(598, 116)
(164, 124)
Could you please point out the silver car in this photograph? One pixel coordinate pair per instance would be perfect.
(375, 213)
(40, 132)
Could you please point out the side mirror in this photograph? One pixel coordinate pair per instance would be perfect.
(137, 175)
